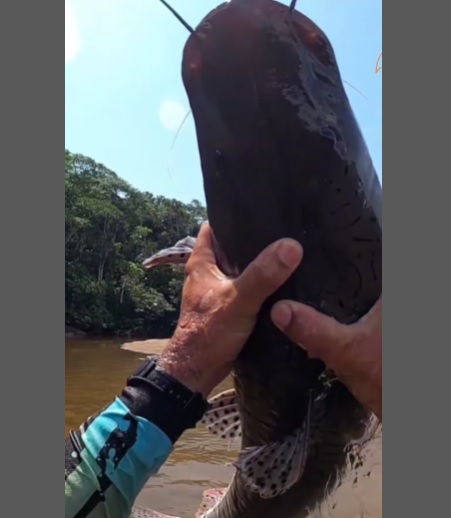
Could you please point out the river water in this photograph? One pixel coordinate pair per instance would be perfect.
(96, 371)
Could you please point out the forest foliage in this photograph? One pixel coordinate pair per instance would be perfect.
(111, 228)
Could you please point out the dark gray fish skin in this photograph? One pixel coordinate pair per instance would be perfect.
(282, 156)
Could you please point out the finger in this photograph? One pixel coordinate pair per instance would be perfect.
(202, 257)
(319, 334)
(267, 273)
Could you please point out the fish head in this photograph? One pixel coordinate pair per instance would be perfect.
(179, 254)
(241, 53)
(176, 255)
(272, 118)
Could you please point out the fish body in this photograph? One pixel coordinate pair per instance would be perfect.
(282, 156)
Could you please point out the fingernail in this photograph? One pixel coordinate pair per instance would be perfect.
(281, 315)
(289, 253)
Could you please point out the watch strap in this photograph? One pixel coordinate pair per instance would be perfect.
(155, 395)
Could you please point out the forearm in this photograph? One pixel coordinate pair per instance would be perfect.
(109, 460)
(111, 457)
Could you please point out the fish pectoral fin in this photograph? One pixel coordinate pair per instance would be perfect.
(371, 427)
(141, 512)
(271, 470)
(222, 417)
(210, 499)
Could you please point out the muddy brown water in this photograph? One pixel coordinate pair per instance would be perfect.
(96, 371)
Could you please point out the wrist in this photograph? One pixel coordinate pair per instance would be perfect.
(153, 393)
(185, 372)
(183, 361)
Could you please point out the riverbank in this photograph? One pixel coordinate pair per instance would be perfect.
(73, 332)
(152, 346)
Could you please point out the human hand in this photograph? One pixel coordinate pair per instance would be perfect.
(218, 314)
(353, 352)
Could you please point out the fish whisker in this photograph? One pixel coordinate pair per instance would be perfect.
(177, 15)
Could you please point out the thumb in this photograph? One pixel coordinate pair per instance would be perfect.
(265, 274)
(315, 332)
(202, 256)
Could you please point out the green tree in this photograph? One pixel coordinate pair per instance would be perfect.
(110, 229)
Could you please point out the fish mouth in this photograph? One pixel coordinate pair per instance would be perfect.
(180, 253)
(172, 255)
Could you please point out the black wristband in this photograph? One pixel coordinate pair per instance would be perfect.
(156, 396)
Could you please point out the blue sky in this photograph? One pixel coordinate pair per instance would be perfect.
(125, 98)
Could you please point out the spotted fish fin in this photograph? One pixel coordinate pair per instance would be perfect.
(141, 512)
(210, 500)
(222, 417)
(271, 470)
(371, 427)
